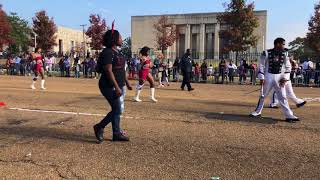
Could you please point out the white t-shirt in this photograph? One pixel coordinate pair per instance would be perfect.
(233, 66)
(307, 64)
(53, 60)
(310, 64)
(47, 60)
(210, 70)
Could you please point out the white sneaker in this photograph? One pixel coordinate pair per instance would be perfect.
(153, 99)
(32, 87)
(292, 117)
(42, 84)
(43, 88)
(152, 92)
(137, 100)
(255, 114)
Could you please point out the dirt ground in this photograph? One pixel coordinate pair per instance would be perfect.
(186, 135)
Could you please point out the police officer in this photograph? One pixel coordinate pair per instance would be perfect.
(186, 69)
(274, 72)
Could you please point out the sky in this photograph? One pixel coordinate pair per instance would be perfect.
(286, 18)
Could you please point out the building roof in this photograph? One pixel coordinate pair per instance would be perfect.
(259, 12)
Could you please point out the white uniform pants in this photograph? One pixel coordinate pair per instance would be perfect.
(290, 94)
(272, 82)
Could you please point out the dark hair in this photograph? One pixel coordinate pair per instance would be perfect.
(111, 39)
(279, 40)
(36, 49)
(144, 51)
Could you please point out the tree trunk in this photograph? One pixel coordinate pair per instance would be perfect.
(163, 52)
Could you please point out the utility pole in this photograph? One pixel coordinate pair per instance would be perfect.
(84, 40)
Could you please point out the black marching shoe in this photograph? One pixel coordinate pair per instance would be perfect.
(274, 107)
(191, 89)
(99, 133)
(301, 104)
(120, 137)
(292, 120)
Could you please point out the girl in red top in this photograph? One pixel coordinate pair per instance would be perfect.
(38, 68)
(197, 72)
(144, 74)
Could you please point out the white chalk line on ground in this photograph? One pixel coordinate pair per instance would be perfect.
(312, 99)
(64, 112)
(49, 91)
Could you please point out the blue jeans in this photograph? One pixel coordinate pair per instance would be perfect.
(77, 74)
(117, 108)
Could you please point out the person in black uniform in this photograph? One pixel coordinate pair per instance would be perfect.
(317, 73)
(186, 69)
(111, 65)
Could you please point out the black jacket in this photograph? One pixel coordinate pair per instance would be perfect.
(186, 63)
(318, 66)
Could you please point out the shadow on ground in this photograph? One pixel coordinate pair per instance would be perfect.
(241, 118)
(212, 116)
(50, 133)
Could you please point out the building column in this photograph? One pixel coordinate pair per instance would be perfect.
(177, 44)
(210, 46)
(216, 41)
(188, 37)
(202, 41)
(174, 50)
